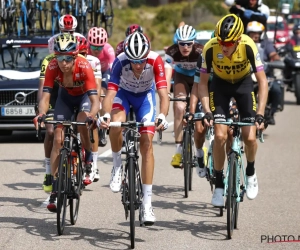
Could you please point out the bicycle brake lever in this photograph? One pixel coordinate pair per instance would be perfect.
(159, 135)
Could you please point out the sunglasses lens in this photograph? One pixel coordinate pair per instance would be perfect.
(66, 58)
(96, 47)
(226, 44)
(138, 61)
(189, 44)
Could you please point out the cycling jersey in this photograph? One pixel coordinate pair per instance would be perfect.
(244, 59)
(120, 48)
(83, 78)
(106, 57)
(51, 41)
(122, 75)
(44, 65)
(185, 65)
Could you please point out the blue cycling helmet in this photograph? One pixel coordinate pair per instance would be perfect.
(184, 33)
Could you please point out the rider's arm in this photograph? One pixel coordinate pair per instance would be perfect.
(258, 69)
(168, 70)
(112, 86)
(110, 56)
(161, 85)
(205, 70)
(98, 75)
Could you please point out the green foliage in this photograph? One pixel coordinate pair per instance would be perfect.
(206, 26)
(213, 6)
(135, 3)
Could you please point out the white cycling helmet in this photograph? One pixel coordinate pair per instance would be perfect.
(185, 33)
(257, 28)
(67, 23)
(136, 46)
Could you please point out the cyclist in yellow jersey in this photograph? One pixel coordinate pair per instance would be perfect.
(231, 56)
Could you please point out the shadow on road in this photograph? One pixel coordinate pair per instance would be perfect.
(21, 137)
(102, 238)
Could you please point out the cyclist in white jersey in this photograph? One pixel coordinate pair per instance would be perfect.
(67, 23)
(96, 66)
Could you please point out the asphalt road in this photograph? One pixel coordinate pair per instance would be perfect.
(182, 223)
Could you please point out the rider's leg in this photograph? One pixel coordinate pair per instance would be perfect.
(48, 142)
(180, 91)
(199, 137)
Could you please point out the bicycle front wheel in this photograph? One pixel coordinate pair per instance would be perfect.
(186, 162)
(132, 198)
(62, 191)
(231, 195)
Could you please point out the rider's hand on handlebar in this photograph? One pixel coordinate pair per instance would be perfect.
(91, 123)
(208, 119)
(260, 122)
(163, 125)
(186, 117)
(103, 121)
(39, 119)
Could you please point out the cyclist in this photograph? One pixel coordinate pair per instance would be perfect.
(184, 55)
(268, 53)
(67, 23)
(133, 73)
(130, 29)
(96, 66)
(78, 89)
(100, 48)
(231, 54)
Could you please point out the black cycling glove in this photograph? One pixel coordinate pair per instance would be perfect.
(208, 116)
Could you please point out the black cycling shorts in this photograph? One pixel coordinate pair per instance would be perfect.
(221, 91)
(65, 104)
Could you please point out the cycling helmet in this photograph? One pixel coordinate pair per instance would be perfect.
(132, 28)
(67, 23)
(136, 46)
(82, 44)
(296, 28)
(97, 36)
(66, 44)
(185, 33)
(229, 28)
(257, 28)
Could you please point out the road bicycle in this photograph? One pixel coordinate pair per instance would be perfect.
(103, 15)
(55, 16)
(8, 17)
(235, 182)
(189, 159)
(22, 19)
(132, 191)
(70, 171)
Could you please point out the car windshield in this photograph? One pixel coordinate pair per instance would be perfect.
(271, 26)
(24, 54)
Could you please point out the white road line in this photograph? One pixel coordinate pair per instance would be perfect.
(108, 152)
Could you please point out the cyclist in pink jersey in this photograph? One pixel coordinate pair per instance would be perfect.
(100, 48)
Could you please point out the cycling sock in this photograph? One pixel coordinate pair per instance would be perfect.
(117, 160)
(199, 153)
(47, 165)
(219, 179)
(250, 170)
(95, 159)
(88, 156)
(178, 148)
(147, 190)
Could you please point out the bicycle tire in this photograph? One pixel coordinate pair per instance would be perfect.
(76, 189)
(132, 198)
(185, 163)
(108, 17)
(231, 199)
(62, 191)
(191, 162)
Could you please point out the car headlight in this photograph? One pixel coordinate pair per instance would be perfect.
(297, 64)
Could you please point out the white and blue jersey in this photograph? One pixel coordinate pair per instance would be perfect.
(137, 92)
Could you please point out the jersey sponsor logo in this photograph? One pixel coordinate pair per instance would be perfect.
(161, 74)
(233, 69)
(211, 101)
(53, 65)
(77, 75)
(257, 56)
(220, 56)
(83, 65)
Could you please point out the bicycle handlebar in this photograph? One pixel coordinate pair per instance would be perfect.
(179, 99)
(132, 124)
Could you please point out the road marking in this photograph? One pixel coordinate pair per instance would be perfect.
(109, 152)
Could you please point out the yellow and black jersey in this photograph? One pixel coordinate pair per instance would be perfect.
(245, 59)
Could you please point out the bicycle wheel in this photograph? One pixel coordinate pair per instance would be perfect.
(108, 17)
(231, 193)
(62, 191)
(186, 148)
(132, 197)
(76, 189)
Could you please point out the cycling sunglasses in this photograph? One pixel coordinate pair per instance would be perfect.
(140, 61)
(227, 44)
(96, 47)
(189, 44)
(60, 58)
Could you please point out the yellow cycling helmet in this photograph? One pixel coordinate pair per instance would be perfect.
(66, 43)
(229, 28)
